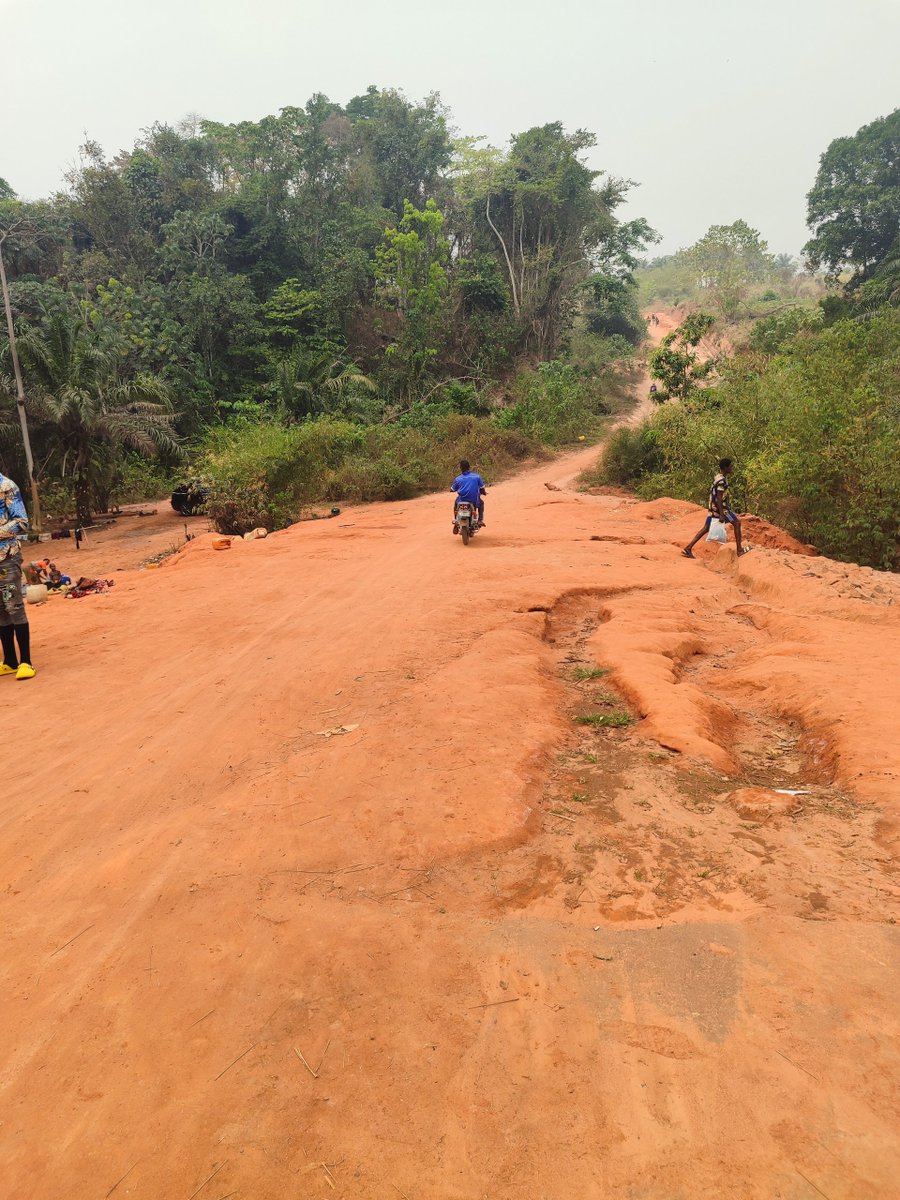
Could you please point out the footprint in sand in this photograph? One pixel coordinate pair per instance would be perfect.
(657, 1038)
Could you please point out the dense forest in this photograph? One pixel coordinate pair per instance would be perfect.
(808, 405)
(307, 298)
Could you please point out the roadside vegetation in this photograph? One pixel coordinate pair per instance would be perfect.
(809, 404)
(334, 302)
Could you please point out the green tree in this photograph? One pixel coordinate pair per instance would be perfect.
(411, 276)
(34, 236)
(220, 316)
(292, 312)
(611, 308)
(84, 405)
(884, 285)
(675, 362)
(550, 220)
(402, 148)
(853, 208)
(778, 333)
(194, 243)
(727, 262)
(109, 219)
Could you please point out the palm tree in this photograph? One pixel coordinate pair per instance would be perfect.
(82, 399)
(305, 381)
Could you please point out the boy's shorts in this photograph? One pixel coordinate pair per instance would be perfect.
(730, 518)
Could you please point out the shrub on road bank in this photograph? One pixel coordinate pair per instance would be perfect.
(814, 432)
(264, 473)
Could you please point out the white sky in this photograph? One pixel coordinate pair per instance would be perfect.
(718, 109)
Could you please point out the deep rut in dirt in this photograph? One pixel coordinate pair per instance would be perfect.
(627, 833)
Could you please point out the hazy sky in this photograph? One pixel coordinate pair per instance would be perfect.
(717, 109)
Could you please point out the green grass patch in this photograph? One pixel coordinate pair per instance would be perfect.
(616, 720)
(581, 674)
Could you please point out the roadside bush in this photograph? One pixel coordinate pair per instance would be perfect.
(815, 436)
(554, 404)
(249, 466)
(630, 455)
(139, 479)
(265, 473)
(774, 334)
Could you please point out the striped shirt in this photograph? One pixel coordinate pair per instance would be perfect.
(719, 494)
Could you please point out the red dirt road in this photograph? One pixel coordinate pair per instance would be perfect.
(522, 958)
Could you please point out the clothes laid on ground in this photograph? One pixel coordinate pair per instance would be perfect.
(89, 587)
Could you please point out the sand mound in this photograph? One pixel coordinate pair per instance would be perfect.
(758, 532)
(759, 804)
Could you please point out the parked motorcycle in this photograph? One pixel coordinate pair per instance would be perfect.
(189, 498)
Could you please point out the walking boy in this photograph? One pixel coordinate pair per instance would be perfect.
(719, 507)
(13, 622)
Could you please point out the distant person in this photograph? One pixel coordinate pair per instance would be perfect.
(653, 389)
(13, 622)
(470, 487)
(719, 508)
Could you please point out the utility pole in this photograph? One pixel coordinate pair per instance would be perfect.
(20, 395)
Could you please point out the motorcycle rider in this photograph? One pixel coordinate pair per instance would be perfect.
(469, 487)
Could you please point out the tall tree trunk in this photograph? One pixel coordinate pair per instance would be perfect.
(83, 485)
(509, 266)
(82, 498)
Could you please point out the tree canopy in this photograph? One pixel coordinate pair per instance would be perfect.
(344, 260)
(359, 232)
(727, 262)
(853, 207)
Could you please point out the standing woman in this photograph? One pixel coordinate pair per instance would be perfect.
(13, 622)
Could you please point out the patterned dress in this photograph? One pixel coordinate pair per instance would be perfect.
(13, 526)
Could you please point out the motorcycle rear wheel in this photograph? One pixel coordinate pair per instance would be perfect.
(464, 531)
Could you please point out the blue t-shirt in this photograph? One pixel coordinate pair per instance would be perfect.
(468, 486)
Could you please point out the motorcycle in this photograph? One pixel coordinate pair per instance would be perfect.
(465, 520)
(189, 498)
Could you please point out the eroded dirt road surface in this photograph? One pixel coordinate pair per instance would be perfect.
(327, 795)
